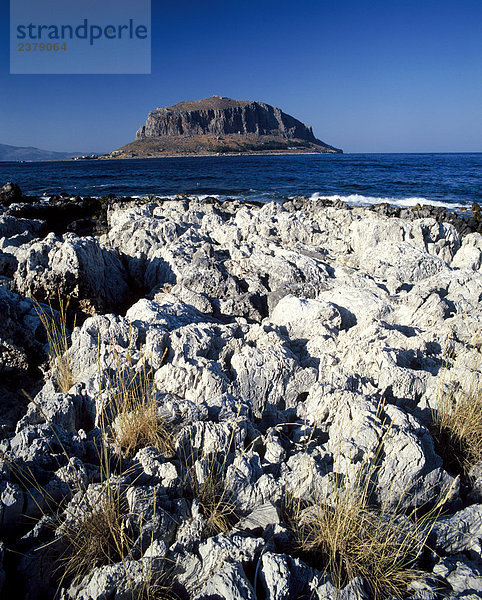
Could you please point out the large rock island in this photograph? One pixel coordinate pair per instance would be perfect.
(221, 125)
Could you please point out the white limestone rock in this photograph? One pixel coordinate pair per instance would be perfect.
(12, 502)
(460, 532)
(73, 266)
(469, 256)
(463, 576)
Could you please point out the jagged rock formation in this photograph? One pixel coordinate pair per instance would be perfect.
(286, 343)
(219, 124)
(223, 116)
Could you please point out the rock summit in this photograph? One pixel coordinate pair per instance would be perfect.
(221, 125)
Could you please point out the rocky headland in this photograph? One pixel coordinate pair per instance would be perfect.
(285, 357)
(221, 125)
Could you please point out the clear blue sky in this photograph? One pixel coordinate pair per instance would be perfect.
(368, 75)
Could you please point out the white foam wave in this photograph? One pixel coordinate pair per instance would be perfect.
(266, 197)
(360, 200)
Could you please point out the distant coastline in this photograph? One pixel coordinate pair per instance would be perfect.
(180, 155)
(207, 154)
(103, 157)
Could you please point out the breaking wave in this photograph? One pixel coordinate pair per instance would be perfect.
(360, 200)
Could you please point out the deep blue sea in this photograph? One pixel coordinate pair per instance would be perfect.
(452, 180)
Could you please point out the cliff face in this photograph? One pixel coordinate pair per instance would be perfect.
(223, 116)
(219, 124)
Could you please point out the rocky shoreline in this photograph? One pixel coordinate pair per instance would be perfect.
(289, 355)
(201, 154)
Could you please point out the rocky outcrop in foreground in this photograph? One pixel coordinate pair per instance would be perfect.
(221, 125)
(286, 353)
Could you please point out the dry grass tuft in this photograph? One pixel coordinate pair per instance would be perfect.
(351, 540)
(94, 532)
(58, 339)
(209, 482)
(217, 503)
(139, 426)
(155, 586)
(457, 423)
(135, 420)
(349, 536)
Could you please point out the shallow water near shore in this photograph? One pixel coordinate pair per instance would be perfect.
(450, 180)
